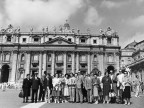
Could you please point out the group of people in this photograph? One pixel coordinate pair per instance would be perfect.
(79, 88)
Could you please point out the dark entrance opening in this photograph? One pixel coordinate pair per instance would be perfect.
(33, 72)
(5, 73)
(109, 68)
(83, 71)
(59, 72)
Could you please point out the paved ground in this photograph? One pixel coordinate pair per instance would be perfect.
(10, 99)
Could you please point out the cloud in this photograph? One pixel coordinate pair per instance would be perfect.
(137, 22)
(92, 17)
(39, 12)
(111, 4)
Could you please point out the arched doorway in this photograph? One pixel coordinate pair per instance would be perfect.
(5, 73)
(109, 68)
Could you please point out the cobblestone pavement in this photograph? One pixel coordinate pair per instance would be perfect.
(10, 99)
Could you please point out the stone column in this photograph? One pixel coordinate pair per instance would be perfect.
(53, 64)
(28, 63)
(0, 65)
(65, 63)
(44, 61)
(73, 62)
(77, 62)
(89, 63)
(14, 67)
(40, 65)
(101, 62)
(117, 57)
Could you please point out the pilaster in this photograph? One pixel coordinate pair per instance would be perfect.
(44, 61)
(40, 65)
(77, 62)
(65, 63)
(14, 66)
(53, 64)
(89, 63)
(73, 62)
(27, 67)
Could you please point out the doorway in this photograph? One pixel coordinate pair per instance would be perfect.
(109, 68)
(5, 73)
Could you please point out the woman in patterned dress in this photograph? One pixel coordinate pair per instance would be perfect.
(96, 85)
(56, 90)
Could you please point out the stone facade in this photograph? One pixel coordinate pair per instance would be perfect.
(137, 59)
(62, 51)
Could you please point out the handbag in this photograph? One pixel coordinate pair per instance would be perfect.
(21, 94)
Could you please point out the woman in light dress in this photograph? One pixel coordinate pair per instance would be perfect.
(126, 82)
(66, 90)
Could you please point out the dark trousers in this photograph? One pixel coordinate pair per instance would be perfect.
(42, 94)
(34, 95)
(121, 95)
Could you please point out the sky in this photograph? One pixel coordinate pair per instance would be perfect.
(124, 16)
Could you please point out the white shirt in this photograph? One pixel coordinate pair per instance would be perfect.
(120, 77)
(55, 81)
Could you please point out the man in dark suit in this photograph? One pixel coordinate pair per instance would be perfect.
(43, 87)
(35, 86)
(26, 88)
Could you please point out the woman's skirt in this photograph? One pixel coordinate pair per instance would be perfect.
(95, 91)
(66, 91)
(127, 92)
(55, 92)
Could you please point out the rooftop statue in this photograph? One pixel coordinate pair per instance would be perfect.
(47, 29)
(31, 29)
(60, 28)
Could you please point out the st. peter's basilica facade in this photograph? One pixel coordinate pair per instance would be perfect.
(58, 51)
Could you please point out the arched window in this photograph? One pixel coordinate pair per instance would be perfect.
(22, 57)
(110, 58)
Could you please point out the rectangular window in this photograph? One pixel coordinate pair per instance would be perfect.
(24, 40)
(109, 40)
(8, 38)
(83, 40)
(36, 57)
(110, 58)
(36, 39)
(94, 41)
(49, 66)
(50, 39)
(83, 58)
(6, 57)
(69, 39)
(60, 57)
(49, 58)
(69, 66)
